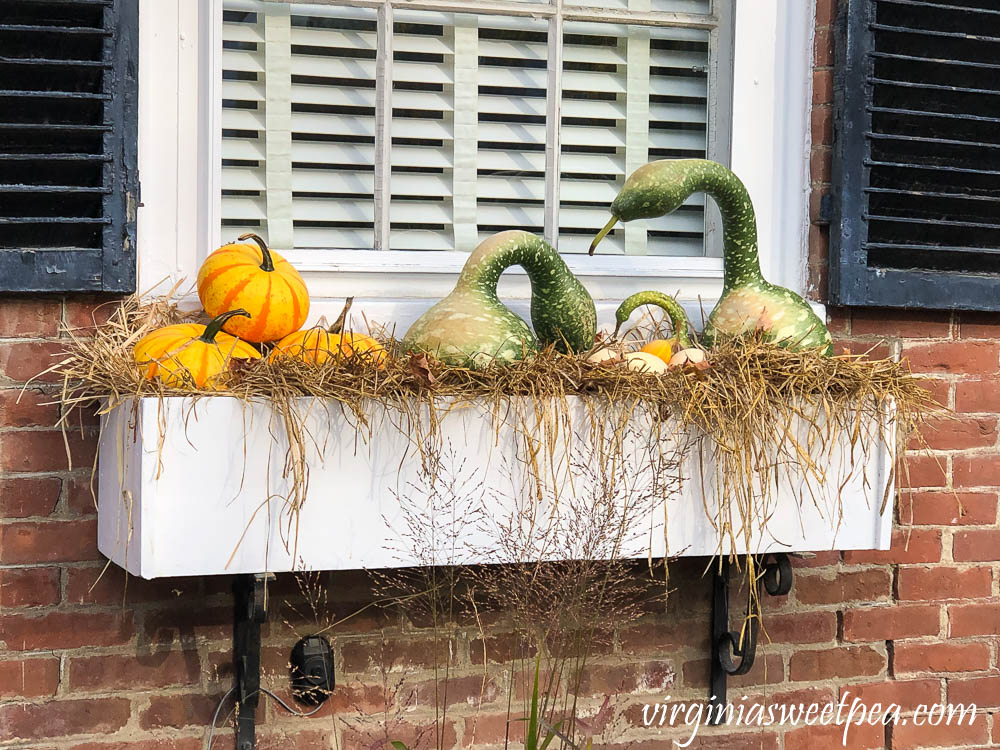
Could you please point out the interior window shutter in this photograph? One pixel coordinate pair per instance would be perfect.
(486, 122)
(513, 80)
(313, 76)
(630, 95)
(916, 173)
(68, 181)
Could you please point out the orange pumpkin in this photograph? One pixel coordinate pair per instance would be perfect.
(662, 348)
(190, 353)
(318, 345)
(252, 277)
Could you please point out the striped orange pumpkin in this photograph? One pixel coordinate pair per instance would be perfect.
(191, 354)
(252, 277)
(318, 345)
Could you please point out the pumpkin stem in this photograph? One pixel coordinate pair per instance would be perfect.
(213, 328)
(338, 324)
(268, 262)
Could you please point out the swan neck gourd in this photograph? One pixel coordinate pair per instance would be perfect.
(748, 301)
(472, 326)
(678, 318)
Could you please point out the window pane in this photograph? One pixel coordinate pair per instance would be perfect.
(423, 129)
(468, 125)
(631, 94)
(513, 75)
(319, 73)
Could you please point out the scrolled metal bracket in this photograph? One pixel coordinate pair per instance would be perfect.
(733, 651)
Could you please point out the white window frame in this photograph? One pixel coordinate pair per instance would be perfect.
(180, 113)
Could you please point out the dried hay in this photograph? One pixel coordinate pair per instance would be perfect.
(746, 408)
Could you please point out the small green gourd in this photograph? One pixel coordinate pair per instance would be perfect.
(472, 328)
(678, 318)
(748, 301)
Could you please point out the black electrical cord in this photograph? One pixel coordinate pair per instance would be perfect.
(265, 691)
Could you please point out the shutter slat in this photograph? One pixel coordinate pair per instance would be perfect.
(930, 248)
(22, 188)
(62, 126)
(933, 194)
(54, 62)
(932, 167)
(934, 86)
(75, 30)
(55, 157)
(936, 61)
(936, 34)
(947, 115)
(46, 94)
(938, 222)
(54, 220)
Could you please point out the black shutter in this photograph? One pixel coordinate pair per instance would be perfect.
(68, 181)
(916, 165)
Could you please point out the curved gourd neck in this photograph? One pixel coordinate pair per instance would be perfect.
(678, 318)
(739, 224)
(494, 256)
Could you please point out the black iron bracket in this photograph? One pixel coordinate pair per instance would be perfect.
(728, 646)
(249, 611)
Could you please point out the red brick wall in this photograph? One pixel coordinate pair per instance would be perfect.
(88, 663)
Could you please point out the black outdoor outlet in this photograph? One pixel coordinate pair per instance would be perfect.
(312, 670)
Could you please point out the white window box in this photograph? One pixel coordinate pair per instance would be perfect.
(197, 504)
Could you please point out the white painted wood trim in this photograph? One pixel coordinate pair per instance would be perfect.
(535, 10)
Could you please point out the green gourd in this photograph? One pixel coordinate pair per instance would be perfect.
(472, 328)
(678, 318)
(748, 301)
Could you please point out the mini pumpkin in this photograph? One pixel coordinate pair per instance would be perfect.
(189, 353)
(252, 277)
(662, 348)
(318, 345)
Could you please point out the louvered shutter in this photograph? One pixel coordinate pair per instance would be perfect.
(630, 95)
(469, 108)
(917, 157)
(68, 183)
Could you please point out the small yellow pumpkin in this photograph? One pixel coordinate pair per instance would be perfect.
(254, 278)
(190, 353)
(318, 345)
(662, 348)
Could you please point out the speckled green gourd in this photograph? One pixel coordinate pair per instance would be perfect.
(678, 318)
(472, 328)
(748, 301)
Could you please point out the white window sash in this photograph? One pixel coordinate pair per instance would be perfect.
(180, 143)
